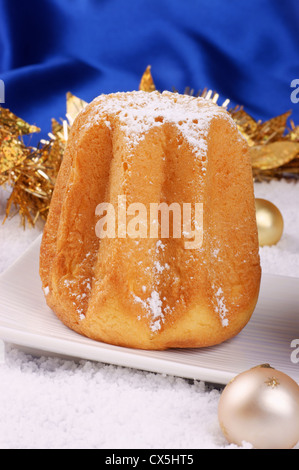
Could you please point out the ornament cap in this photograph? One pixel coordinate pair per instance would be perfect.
(264, 366)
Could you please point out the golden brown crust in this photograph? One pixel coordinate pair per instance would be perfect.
(148, 293)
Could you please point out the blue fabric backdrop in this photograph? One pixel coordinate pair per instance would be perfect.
(246, 50)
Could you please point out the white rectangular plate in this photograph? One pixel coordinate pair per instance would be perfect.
(25, 320)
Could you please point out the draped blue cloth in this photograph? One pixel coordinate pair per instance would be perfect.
(246, 51)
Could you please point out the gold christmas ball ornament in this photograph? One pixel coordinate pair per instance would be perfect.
(269, 222)
(260, 407)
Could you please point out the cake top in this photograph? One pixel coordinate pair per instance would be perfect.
(140, 111)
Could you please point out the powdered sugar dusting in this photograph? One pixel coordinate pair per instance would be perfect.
(140, 111)
(221, 308)
(160, 268)
(153, 306)
(79, 293)
(46, 290)
(159, 246)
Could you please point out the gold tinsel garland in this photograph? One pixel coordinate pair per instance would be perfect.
(31, 172)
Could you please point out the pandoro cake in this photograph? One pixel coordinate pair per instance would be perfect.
(129, 284)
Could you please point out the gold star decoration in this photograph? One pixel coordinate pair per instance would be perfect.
(272, 382)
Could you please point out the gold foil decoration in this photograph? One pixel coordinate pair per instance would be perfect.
(12, 149)
(32, 171)
(29, 171)
(147, 82)
(273, 147)
(32, 182)
(12, 153)
(74, 106)
(271, 130)
(273, 155)
(12, 124)
(294, 133)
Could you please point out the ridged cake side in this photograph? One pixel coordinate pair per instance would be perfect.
(153, 293)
